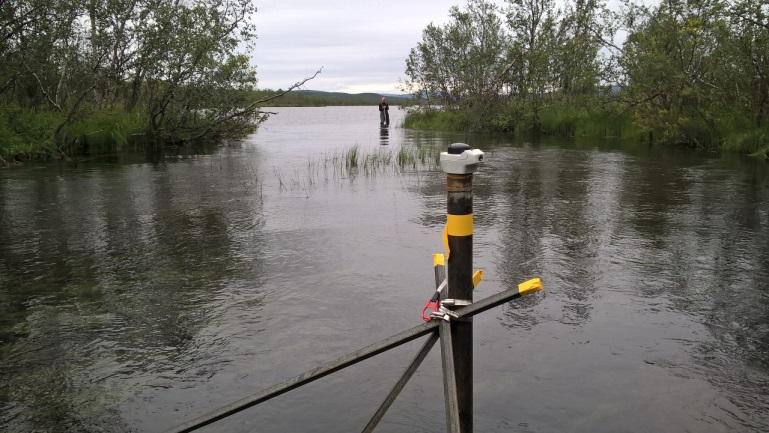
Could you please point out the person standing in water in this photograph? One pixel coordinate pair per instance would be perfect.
(384, 114)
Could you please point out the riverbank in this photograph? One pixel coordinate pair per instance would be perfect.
(728, 134)
(32, 135)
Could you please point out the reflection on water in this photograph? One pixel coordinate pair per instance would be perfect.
(384, 136)
(111, 273)
(135, 295)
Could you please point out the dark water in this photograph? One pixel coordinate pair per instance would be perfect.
(134, 296)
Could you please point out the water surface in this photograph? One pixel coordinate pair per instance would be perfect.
(135, 295)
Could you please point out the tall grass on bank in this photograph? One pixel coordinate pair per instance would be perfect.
(739, 135)
(436, 120)
(27, 134)
(580, 123)
(729, 133)
(562, 121)
(103, 132)
(30, 135)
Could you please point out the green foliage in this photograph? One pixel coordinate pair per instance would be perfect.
(738, 134)
(26, 134)
(437, 120)
(103, 132)
(578, 122)
(29, 134)
(460, 62)
(697, 73)
(691, 73)
(85, 75)
(560, 120)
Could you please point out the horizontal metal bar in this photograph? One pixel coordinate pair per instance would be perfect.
(342, 362)
(398, 387)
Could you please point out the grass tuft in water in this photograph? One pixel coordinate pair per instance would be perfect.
(350, 162)
(351, 157)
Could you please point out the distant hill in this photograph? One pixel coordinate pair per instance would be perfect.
(317, 98)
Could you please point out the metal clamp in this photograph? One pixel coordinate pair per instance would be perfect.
(456, 302)
(444, 313)
(433, 304)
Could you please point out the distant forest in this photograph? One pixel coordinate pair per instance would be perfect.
(315, 98)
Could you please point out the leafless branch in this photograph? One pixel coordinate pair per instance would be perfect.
(631, 104)
(606, 43)
(73, 110)
(42, 88)
(250, 108)
(255, 104)
(293, 86)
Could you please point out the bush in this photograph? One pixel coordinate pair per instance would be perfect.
(436, 120)
(27, 134)
(559, 120)
(102, 132)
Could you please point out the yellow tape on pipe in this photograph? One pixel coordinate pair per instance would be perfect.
(459, 225)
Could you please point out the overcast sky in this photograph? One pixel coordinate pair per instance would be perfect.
(362, 45)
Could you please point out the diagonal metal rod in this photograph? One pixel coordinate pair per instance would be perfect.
(449, 379)
(440, 277)
(342, 362)
(412, 368)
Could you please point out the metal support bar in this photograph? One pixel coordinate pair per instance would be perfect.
(412, 368)
(440, 275)
(343, 362)
(449, 378)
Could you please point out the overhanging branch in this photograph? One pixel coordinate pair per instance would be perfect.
(251, 107)
(293, 86)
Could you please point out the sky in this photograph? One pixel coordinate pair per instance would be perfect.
(361, 45)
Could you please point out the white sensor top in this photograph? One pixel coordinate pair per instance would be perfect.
(462, 163)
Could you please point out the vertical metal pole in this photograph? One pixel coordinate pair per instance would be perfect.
(447, 357)
(459, 163)
(449, 378)
(460, 270)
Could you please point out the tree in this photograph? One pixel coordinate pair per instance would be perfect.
(675, 70)
(692, 72)
(749, 54)
(460, 63)
(174, 64)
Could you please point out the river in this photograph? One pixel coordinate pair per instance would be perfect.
(138, 293)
